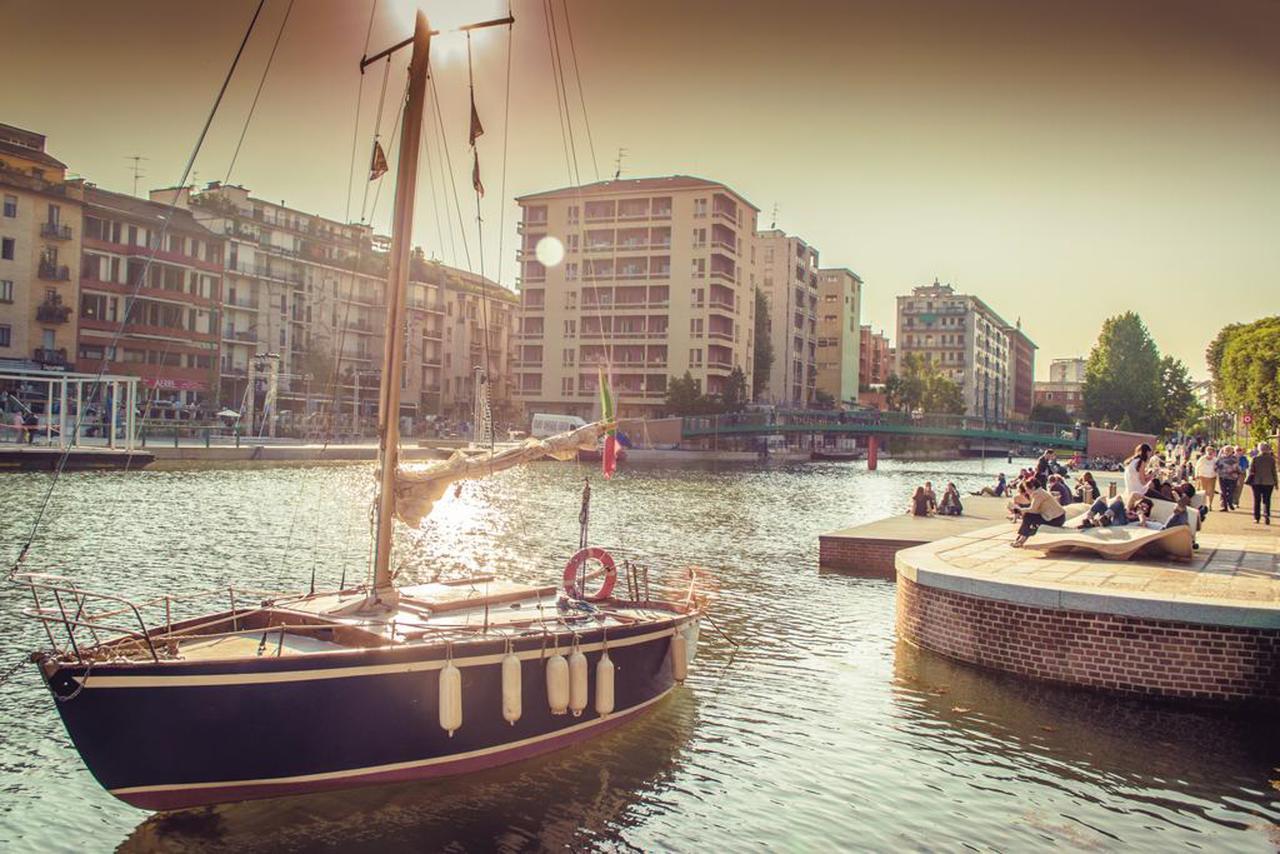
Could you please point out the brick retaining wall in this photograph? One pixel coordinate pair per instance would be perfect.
(1112, 652)
(857, 554)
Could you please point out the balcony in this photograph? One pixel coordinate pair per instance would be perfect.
(52, 312)
(54, 231)
(48, 356)
(54, 272)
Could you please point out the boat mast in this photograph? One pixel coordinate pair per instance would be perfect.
(397, 287)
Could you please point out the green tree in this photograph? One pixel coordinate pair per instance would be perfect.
(1051, 413)
(893, 393)
(683, 396)
(922, 386)
(1213, 353)
(822, 400)
(1177, 397)
(763, 362)
(734, 396)
(1123, 377)
(1250, 374)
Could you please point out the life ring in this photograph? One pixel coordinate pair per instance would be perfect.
(576, 563)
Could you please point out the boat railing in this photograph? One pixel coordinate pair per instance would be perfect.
(69, 613)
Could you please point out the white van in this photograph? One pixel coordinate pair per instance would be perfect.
(545, 425)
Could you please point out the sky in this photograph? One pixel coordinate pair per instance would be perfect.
(1063, 161)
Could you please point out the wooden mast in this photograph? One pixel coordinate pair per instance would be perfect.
(397, 288)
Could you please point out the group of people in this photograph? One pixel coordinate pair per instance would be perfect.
(924, 502)
(1228, 471)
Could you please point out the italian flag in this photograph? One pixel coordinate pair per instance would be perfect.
(609, 459)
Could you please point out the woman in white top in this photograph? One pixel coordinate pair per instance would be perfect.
(1136, 477)
(1207, 473)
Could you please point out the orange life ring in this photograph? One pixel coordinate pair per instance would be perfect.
(576, 563)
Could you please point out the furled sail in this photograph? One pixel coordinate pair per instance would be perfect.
(420, 486)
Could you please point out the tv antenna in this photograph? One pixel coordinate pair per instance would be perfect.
(617, 163)
(137, 169)
(774, 223)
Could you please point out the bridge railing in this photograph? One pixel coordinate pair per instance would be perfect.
(799, 419)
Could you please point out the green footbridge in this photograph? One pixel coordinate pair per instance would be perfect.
(963, 427)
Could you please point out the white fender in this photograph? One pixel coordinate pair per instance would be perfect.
(450, 698)
(511, 688)
(558, 684)
(577, 683)
(679, 656)
(604, 685)
(691, 632)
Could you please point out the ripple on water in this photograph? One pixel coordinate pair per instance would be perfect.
(820, 731)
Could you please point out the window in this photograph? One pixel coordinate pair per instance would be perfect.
(573, 214)
(699, 268)
(699, 238)
(566, 358)
(697, 296)
(6, 335)
(572, 243)
(6, 248)
(571, 271)
(566, 385)
(10, 210)
(699, 207)
(6, 290)
(695, 357)
(570, 299)
(695, 327)
(570, 328)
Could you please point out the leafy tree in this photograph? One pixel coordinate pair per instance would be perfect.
(764, 347)
(1123, 377)
(1213, 353)
(1177, 397)
(683, 396)
(922, 386)
(1250, 374)
(822, 400)
(734, 396)
(1051, 413)
(893, 393)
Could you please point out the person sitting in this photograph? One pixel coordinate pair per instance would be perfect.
(996, 491)
(919, 503)
(1103, 514)
(1060, 490)
(950, 504)
(933, 498)
(1043, 509)
(1021, 498)
(1087, 490)
(1159, 488)
(1176, 518)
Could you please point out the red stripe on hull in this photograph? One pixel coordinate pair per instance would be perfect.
(179, 798)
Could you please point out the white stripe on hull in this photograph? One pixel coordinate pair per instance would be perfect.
(394, 766)
(93, 681)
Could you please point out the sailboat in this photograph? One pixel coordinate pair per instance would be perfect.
(275, 695)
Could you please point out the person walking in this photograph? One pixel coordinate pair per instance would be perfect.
(1228, 470)
(1207, 474)
(1262, 480)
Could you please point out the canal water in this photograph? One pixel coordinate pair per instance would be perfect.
(819, 731)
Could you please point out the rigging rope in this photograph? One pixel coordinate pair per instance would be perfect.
(119, 333)
(581, 95)
(377, 131)
(484, 293)
(261, 83)
(355, 129)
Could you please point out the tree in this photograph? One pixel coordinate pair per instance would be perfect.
(1177, 397)
(1051, 413)
(822, 400)
(922, 386)
(1214, 352)
(1250, 374)
(1123, 377)
(683, 396)
(734, 396)
(764, 347)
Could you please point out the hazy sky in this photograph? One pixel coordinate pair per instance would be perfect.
(1065, 161)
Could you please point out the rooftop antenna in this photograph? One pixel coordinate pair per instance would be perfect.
(617, 163)
(774, 223)
(137, 169)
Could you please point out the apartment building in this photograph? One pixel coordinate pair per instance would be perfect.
(1022, 365)
(1065, 387)
(40, 225)
(164, 270)
(655, 280)
(873, 357)
(839, 339)
(965, 339)
(787, 270)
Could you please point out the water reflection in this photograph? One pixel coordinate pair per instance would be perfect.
(1120, 760)
(567, 800)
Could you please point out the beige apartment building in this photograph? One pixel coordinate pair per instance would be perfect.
(40, 230)
(839, 333)
(787, 272)
(656, 280)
